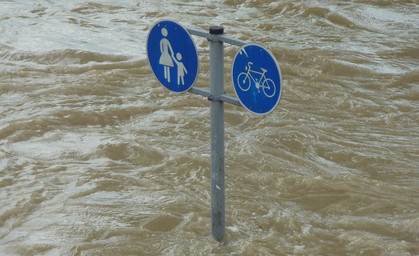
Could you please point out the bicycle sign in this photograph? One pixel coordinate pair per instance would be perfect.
(246, 79)
(257, 79)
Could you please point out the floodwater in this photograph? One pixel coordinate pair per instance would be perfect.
(98, 158)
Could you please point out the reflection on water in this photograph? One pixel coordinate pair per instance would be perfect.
(97, 158)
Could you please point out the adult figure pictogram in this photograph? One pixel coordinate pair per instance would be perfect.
(166, 57)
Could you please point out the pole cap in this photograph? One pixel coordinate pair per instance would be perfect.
(216, 30)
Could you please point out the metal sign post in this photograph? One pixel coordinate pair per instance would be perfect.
(171, 51)
(217, 135)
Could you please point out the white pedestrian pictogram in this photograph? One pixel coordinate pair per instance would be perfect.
(168, 57)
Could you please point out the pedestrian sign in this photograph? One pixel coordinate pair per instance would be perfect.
(172, 55)
(257, 79)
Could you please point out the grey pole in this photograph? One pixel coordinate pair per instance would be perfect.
(217, 135)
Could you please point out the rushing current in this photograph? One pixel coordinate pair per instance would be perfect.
(98, 158)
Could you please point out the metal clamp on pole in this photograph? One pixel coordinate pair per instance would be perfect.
(212, 98)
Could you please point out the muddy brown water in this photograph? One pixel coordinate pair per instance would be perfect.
(97, 158)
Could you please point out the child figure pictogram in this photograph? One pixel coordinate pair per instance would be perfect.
(181, 69)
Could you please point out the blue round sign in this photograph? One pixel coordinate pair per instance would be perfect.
(257, 79)
(172, 55)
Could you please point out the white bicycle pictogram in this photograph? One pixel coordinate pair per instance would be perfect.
(245, 79)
